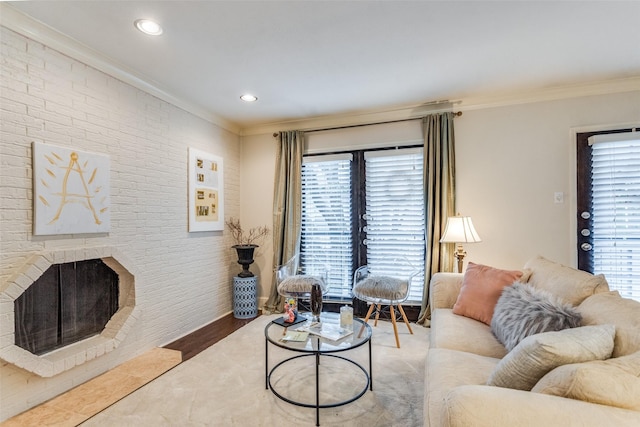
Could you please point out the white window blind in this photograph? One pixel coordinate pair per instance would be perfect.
(326, 239)
(395, 215)
(616, 211)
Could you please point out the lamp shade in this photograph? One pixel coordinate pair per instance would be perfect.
(459, 229)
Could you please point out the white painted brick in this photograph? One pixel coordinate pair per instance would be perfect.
(70, 104)
(13, 128)
(55, 63)
(7, 325)
(23, 281)
(81, 357)
(69, 362)
(15, 95)
(13, 291)
(12, 106)
(33, 272)
(58, 367)
(42, 263)
(16, 84)
(7, 40)
(6, 340)
(100, 349)
(44, 369)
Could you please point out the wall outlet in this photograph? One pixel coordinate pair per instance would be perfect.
(558, 197)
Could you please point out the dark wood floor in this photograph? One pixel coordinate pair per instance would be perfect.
(205, 337)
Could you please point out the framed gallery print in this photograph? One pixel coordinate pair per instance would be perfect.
(71, 191)
(206, 191)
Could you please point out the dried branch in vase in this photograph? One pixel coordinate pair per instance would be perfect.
(241, 237)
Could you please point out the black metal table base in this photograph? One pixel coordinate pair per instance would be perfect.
(317, 405)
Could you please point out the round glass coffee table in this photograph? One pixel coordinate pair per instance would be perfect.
(318, 348)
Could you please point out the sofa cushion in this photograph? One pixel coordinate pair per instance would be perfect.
(538, 354)
(448, 369)
(523, 310)
(444, 289)
(570, 285)
(624, 313)
(482, 406)
(481, 288)
(613, 382)
(461, 333)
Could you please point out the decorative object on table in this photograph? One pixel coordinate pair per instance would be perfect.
(71, 191)
(459, 229)
(316, 301)
(246, 243)
(206, 191)
(290, 310)
(245, 297)
(346, 317)
(381, 291)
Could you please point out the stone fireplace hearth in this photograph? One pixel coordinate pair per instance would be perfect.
(70, 356)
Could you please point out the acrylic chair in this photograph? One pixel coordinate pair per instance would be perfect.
(381, 291)
(292, 284)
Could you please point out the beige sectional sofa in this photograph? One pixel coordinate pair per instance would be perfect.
(464, 355)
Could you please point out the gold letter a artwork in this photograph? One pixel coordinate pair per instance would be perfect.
(72, 195)
(75, 167)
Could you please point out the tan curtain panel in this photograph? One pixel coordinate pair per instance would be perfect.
(287, 207)
(439, 187)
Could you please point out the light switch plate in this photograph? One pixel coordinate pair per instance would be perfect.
(558, 197)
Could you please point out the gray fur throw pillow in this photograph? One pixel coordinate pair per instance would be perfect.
(523, 310)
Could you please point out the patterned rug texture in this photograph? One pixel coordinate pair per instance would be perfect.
(225, 386)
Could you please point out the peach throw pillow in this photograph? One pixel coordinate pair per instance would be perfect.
(481, 288)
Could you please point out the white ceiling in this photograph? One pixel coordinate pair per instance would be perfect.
(306, 59)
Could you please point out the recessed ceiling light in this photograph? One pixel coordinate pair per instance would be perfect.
(148, 27)
(249, 98)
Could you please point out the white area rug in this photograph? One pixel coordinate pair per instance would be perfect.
(225, 386)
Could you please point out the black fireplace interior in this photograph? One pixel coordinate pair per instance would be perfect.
(68, 303)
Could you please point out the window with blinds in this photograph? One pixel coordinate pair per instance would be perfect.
(395, 237)
(615, 198)
(380, 194)
(326, 240)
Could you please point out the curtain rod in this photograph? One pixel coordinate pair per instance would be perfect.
(456, 114)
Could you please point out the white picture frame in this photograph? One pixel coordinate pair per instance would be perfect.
(71, 191)
(206, 191)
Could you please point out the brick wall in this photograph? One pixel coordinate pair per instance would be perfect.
(182, 280)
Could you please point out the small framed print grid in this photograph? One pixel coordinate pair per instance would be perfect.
(206, 191)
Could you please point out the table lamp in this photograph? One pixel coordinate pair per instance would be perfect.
(459, 229)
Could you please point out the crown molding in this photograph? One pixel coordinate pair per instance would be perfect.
(21, 23)
(506, 99)
(353, 119)
(604, 87)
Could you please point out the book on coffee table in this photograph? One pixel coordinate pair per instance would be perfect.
(330, 331)
(295, 336)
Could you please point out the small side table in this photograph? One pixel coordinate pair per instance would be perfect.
(245, 297)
